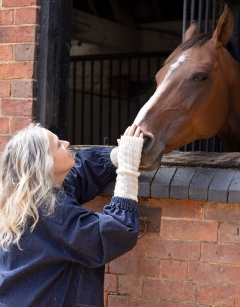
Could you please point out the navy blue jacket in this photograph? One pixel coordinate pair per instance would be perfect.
(61, 263)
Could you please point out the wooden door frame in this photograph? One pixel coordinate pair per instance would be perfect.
(53, 65)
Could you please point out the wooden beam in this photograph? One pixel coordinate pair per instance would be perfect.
(161, 36)
(92, 7)
(122, 14)
(158, 10)
(171, 27)
(53, 68)
(88, 28)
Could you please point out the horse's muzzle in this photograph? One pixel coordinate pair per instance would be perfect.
(147, 144)
(151, 153)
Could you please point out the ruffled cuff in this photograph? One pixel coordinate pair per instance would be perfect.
(124, 203)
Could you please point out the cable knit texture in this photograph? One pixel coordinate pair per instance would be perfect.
(129, 156)
(114, 156)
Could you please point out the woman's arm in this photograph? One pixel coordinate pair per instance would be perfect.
(96, 238)
(93, 239)
(92, 171)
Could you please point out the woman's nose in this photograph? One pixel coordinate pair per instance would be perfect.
(66, 144)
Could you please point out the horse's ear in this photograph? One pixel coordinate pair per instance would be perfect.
(224, 29)
(191, 31)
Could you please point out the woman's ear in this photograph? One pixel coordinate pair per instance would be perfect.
(224, 28)
(191, 31)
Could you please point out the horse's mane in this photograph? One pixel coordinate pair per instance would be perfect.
(195, 41)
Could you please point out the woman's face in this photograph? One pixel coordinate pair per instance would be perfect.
(63, 160)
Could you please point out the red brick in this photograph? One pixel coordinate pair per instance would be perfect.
(214, 273)
(220, 296)
(140, 248)
(4, 125)
(130, 285)
(17, 3)
(136, 266)
(147, 266)
(178, 250)
(3, 141)
(6, 17)
(16, 70)
(23, 88)
(121, 265)
(221, 253)
(5, 89)
(6, 53)
(221, 212)
(127, 301)
(25, 52)
(178, 208)
(14, 107)
(229, 233)
(171, 269)
(110, 283)
(105, 299)
(18, 123)
(98, 203)
(171, 304)
(173, 290)
(107, 268)
(27, 16)
(20, 34)
(189, 230)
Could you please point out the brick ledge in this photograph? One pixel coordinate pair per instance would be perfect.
(215, 179)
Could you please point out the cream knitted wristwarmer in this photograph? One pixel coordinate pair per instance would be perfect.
(114, 156)
(129, 156)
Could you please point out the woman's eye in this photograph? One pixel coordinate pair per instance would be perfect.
(200, 77)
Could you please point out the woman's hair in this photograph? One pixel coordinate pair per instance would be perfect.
(26, 183)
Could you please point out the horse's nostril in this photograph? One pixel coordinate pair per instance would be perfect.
(145, 140)
(147, 144)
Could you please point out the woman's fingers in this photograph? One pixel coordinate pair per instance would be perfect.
(137, 132)
(134, 130)
(131, 130)
(126, 131)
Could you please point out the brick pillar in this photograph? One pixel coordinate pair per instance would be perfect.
(19, 31)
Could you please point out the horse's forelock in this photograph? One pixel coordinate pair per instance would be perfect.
(193, 42)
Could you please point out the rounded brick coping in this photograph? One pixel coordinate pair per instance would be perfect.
(212, 177)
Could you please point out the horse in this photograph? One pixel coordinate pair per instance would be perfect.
(197, 96)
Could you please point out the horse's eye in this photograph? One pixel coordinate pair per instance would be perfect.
(200, 77)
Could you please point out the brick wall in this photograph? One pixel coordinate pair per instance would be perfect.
(19, 27)
(193, 261)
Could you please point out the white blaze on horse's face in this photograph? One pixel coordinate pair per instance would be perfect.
(142, 113)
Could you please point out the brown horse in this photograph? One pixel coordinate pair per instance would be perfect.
(197, 96)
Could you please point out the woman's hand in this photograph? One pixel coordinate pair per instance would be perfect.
(133, 130)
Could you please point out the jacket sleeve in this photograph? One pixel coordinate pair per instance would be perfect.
(93, 239)
(92, 171)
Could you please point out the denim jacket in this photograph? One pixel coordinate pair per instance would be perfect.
(61, 262)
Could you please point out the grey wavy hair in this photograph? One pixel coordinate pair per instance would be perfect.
(26, 183)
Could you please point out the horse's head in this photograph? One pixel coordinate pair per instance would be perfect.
(191, 98)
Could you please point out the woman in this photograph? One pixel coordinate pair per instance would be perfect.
(53, 251)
